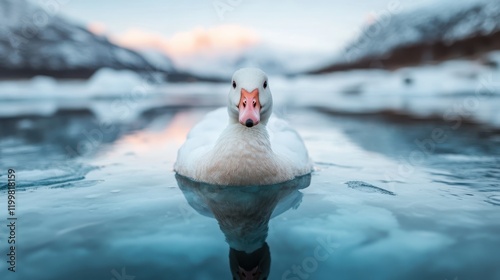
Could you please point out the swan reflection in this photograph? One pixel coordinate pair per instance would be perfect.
(243, 214)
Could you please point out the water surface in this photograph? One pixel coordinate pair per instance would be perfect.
(102, 202)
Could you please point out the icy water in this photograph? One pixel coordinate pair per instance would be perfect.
(390, 198)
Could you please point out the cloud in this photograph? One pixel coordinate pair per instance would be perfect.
(194, 42)
(97, 28)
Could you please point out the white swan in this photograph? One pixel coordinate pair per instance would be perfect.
(243, 144)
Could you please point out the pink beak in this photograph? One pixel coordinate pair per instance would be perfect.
(249, 107)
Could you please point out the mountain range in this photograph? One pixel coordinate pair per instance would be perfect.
(36, 40)
(440, 31)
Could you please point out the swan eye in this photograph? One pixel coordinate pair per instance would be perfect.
(265, 84)
(234, 84)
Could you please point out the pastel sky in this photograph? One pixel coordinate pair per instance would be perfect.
(178, 27)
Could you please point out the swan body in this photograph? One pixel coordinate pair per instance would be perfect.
(244, 144)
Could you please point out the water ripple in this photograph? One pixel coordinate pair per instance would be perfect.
(365, 187)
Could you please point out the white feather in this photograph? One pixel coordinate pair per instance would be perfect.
(220, 150)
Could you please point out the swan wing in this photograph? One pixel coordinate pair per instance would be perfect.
(200, 140)
(286, 142)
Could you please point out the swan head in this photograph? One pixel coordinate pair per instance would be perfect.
(250, 101)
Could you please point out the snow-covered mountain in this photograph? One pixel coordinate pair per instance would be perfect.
(36, 40)
(270, 59)
(439, 31)
(278, 61)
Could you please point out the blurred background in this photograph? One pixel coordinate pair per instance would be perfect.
(408, 57)
(398, 103)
